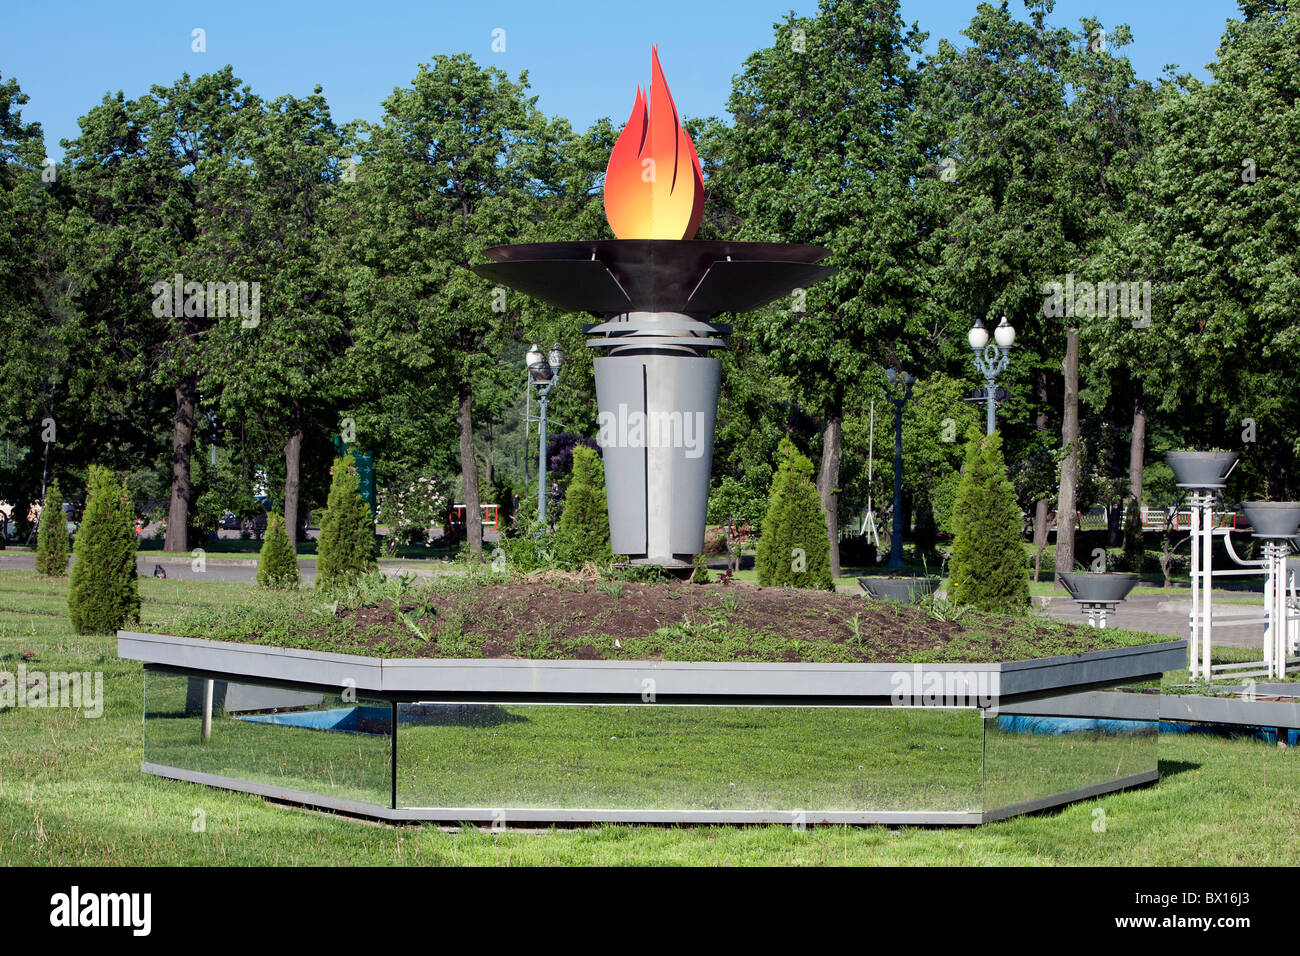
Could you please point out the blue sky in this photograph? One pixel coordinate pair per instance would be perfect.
(584, 58)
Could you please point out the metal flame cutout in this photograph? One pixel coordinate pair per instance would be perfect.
(654, 187)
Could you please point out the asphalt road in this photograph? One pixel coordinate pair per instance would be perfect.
(220, 568)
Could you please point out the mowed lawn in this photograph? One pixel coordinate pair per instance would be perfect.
(71, 792)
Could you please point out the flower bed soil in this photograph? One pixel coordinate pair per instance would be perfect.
(589, 619)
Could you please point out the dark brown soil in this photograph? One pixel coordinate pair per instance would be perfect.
(586, 619)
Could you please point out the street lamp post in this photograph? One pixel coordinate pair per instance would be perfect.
(896, 536)
(543, 373)
(991, 358)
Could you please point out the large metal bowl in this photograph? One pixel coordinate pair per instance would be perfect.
(906, 590)
(1090, 587)
(1273, 519)
(1201, 469)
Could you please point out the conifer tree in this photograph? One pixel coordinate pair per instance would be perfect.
(346, 549)
(52, 538)
(104, 593)
(988, 568)
(277, 567)
(584, 524)
(793, 550)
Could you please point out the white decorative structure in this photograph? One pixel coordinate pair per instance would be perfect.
(1275, 522)
(1204, 474)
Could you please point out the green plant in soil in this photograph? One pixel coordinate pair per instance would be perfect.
(346, 548)
(793, 548)
(52, 537)
(583, 534)
(987, 568)
(104, 594)
(277, 566)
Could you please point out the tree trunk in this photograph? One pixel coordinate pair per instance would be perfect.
(1041, 506)
(292, 471)
(1065, 498)
(178, 510)
(469, 470)
(1137, 451)
(828, 480)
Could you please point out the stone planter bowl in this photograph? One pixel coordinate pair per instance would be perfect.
(1272, 519)
(1201, 469)
(1089, 587)
(906, 590)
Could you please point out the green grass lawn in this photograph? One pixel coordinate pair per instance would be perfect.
(71, 792)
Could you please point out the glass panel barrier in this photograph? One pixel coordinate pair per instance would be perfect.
(688, 757)
(1068, 742)
(276, 736)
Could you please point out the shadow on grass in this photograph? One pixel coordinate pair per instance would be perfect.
(1172, 768)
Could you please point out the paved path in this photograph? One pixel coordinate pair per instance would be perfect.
(1160, 615)
(239, 569)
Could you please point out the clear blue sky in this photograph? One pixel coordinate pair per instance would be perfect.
(584, 57)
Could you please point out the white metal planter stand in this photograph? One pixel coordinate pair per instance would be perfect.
(1282, 622)
(1097, 613)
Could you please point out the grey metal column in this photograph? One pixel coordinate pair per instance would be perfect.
(657, 392)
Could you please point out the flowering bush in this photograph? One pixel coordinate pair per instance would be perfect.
(412, 509)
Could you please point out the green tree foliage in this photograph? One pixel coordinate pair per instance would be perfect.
(732, 507)
(52, 538)
(346, 548)
(830, 162)
(503, 493)
(275, 376)
(277, 566)
(36, 335)
(1223, 225)
(443, 176)
(988, 568)
(934, 421)
(104, 593)
(150, 179)
(792, 548)
(584, 525)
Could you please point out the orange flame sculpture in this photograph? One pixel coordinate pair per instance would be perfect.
(654, 187)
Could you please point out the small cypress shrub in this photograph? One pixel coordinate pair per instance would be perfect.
(52, 536)
(346, 548)
(988, 568)
(584, 525)
(793, 548)
(277, 567)
(1134, 550)
(104, 593)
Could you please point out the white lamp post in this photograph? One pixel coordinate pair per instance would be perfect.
(543, 373)
(991, 358)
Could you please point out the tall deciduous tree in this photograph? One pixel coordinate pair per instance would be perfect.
(443, 176)
(822, 154)
(148, 175)
(281, 372)
(1223, 223)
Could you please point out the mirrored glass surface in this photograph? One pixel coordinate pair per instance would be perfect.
(1059, 744)
(688, 757)
(284, 737)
